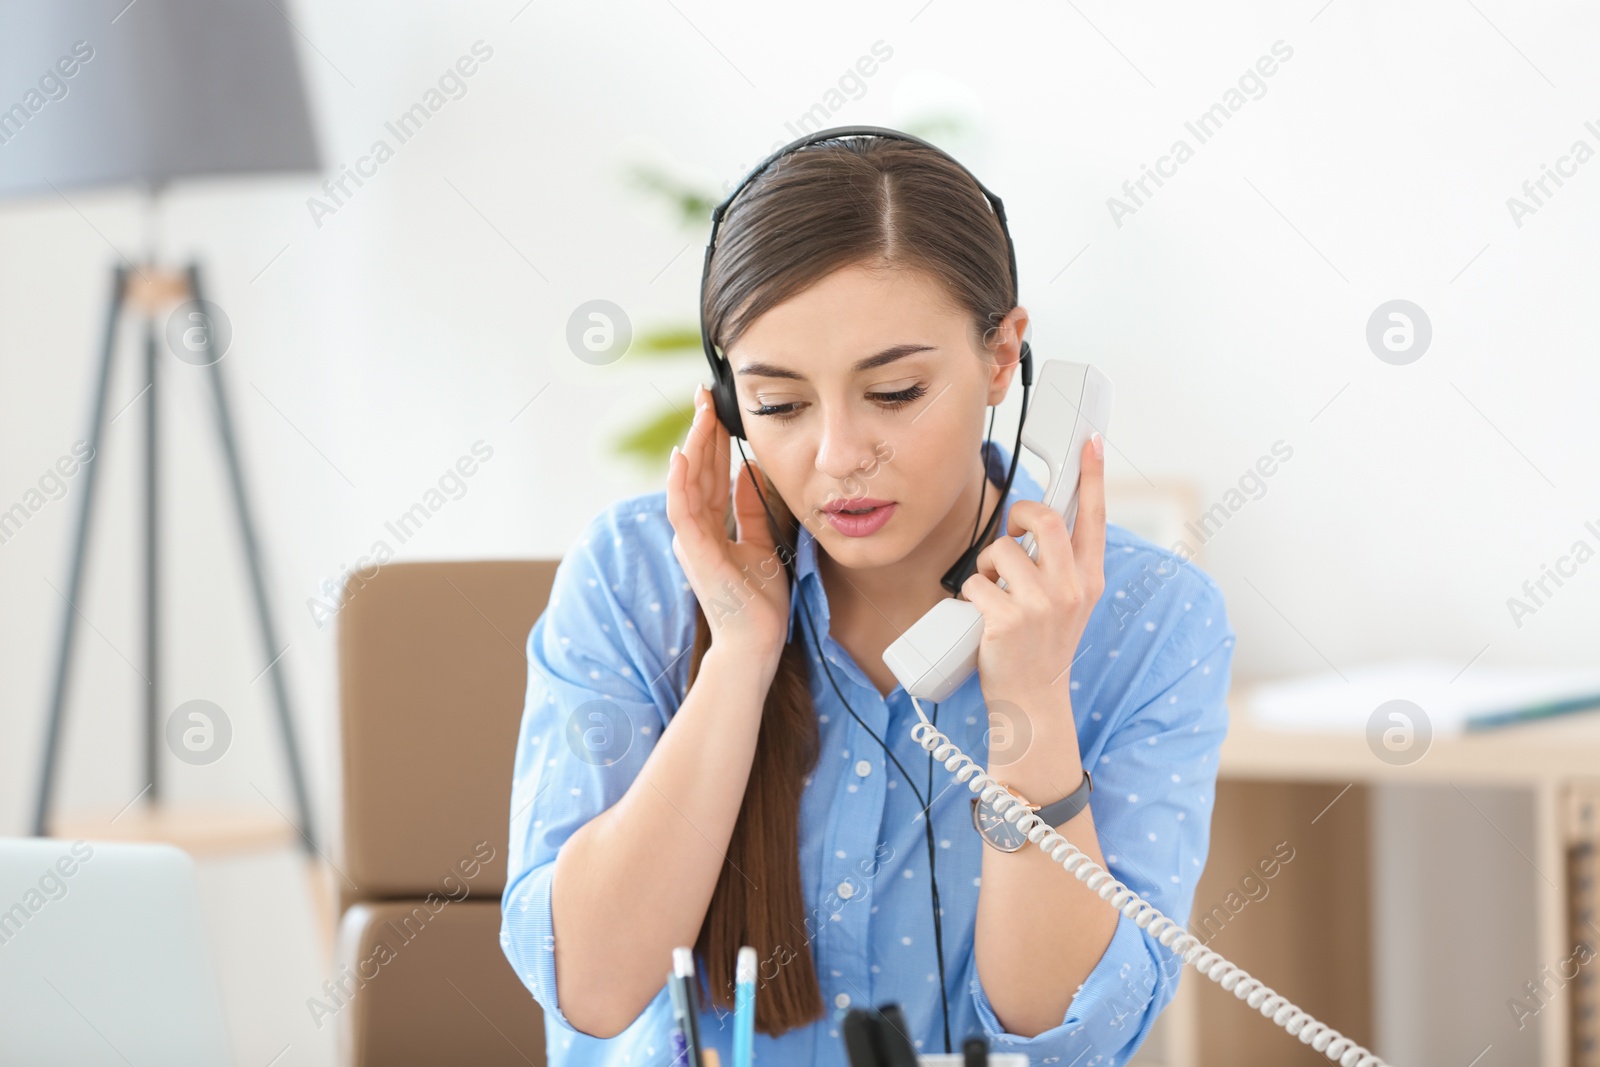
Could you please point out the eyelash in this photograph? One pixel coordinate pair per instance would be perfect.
(892, 401)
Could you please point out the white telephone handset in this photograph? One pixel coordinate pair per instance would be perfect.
(1071, 402)
(940, 652)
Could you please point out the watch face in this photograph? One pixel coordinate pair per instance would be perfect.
(995, 830)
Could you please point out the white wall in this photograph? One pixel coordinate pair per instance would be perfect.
(1230, 310)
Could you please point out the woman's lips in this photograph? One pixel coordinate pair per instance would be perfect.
(854, 503)
(862, 525)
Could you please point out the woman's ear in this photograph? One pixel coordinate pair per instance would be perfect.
(1004, 352)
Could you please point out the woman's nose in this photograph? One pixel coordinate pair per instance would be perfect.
(845, 446)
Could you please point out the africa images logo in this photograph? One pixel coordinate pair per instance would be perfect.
(1203, 128)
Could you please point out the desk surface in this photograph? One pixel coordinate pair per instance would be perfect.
(1559, 748)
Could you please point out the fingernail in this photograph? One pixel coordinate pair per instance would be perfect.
(1099, 446)
(672, 457)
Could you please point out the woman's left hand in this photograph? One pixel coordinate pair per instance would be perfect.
(1031, 628)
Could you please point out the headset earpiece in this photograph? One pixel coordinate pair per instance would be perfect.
(725, 399)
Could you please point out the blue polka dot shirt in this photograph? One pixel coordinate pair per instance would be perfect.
(1149, 698)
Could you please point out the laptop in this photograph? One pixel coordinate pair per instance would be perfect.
(103, 958)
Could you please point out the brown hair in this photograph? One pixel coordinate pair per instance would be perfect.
(837, 203)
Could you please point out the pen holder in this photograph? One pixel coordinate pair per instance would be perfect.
(876, 1037)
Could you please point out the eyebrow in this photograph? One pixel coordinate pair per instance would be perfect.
(888, 355)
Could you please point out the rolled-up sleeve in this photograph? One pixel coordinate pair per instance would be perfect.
(599, 692)
(1154, 786)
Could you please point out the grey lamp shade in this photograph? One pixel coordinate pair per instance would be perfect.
(104, 92)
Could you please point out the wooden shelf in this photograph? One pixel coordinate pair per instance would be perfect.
(1314, 941)
(205, 831)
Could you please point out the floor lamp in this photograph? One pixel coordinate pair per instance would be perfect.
(141, 95)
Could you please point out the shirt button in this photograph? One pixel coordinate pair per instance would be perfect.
(863, 768)
(841, 1000)
(846, 890)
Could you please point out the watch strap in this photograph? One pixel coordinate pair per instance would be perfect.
(1068, 806)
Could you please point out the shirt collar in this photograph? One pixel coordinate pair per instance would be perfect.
(997, 460)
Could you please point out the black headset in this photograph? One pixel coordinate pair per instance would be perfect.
(726, 404)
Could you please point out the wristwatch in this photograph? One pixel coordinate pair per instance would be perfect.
(1005, 836)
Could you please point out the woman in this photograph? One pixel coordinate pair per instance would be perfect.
(714, 754)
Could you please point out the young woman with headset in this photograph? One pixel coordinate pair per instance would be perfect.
(713, 752)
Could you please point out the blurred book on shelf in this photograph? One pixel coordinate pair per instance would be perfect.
(1455, 699)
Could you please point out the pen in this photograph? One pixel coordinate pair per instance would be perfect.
(744, 1006)
(684, 1001)
(677, 1040)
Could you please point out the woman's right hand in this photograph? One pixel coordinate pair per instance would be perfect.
(741, 585)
